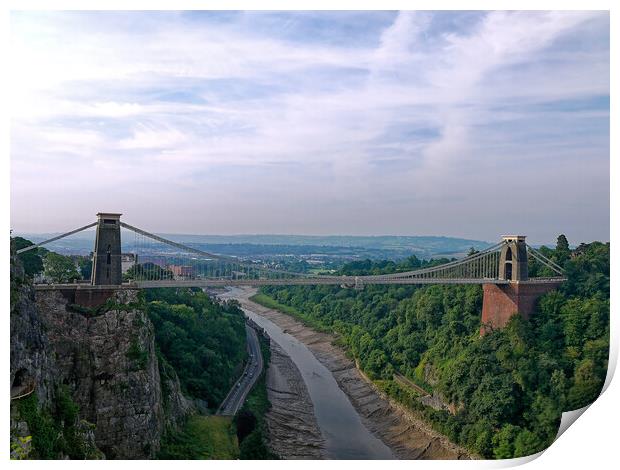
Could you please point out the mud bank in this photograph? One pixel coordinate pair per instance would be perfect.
(292, 429)
(407, 436)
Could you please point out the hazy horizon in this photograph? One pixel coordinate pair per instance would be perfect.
(178, 236)
(460, 124)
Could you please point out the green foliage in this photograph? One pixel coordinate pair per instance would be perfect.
(85, 265)
(588, 271)
(359, 268)
(202, 339)
(528, 443)
(31, 260)
(503, 441)
(21, 447)
(562, 250)
(137, 354)
(511, 385)
(202, 437)
(55, 432)
(253, 446)
(60, 269)
(44, 430)
(269, 302)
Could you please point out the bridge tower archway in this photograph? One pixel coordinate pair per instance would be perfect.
(513, 259)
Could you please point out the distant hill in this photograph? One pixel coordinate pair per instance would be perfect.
(376, 247)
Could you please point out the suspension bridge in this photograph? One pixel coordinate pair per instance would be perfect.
(145, 260)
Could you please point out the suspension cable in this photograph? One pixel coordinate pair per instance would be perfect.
(37, 245)
(204, 253)
(546, 261)
(451, 264)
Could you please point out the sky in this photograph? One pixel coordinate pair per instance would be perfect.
(468, 124)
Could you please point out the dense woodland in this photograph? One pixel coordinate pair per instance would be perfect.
(203, 340)
(508, 388)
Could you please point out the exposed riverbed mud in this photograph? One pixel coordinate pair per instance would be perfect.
(407, 436)
(292, 429)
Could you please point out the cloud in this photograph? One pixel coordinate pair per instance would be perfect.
(332, 119)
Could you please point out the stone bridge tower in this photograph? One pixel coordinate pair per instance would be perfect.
(519, 295)
(513, 258)
(107, 255)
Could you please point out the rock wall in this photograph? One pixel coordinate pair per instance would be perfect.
(32, 365)
(108, 362)
(106, 357)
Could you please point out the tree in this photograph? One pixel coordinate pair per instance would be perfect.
(60, 269)
(562, 250)
(86, 267)
(246, 423)
(203, 340)
(503, 442)
(528, 443)
(494, 399)
(31, 260)
(587, 386)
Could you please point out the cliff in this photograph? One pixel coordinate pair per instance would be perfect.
(105, 358)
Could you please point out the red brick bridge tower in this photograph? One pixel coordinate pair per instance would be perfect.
(519, 294)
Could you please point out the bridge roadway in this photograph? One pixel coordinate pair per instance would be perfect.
(349, 281)
(239, 391)
(346, 281)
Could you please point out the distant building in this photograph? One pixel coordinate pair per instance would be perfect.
(181, 271)
(127, 261)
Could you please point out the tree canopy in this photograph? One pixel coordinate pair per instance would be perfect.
(509, 387)
(60, 269)
(203, 339)
(31, 260)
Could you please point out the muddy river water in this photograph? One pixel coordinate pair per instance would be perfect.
(345, 435)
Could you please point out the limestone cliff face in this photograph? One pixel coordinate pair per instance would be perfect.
(106, 358)
(32, 364)
(108, 362)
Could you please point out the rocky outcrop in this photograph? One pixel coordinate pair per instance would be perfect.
(104, 357)
(32, 366)
(175, 404)
(292, 430)
(108, 360)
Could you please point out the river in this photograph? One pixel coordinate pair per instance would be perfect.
(345, 435)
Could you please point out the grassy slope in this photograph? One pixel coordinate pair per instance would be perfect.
(203, 437)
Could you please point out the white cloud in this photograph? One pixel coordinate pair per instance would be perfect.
(151, 137)
(177, 101)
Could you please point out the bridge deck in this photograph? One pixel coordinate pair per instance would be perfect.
(348, 281)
